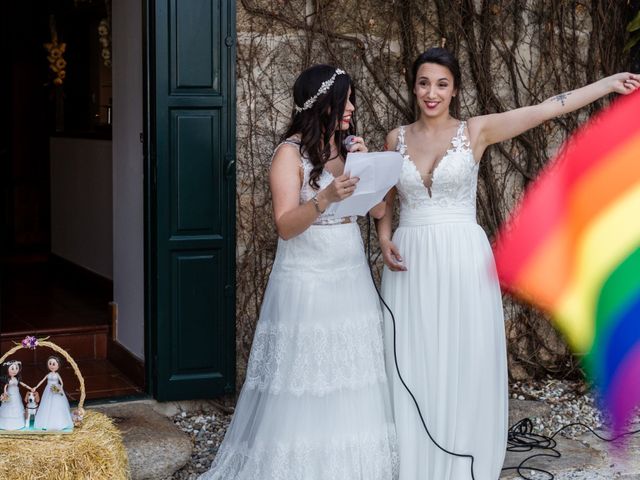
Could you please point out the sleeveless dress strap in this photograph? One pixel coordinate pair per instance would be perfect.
(460, 133)
(460, 142)
(288, 141)
(401, 147)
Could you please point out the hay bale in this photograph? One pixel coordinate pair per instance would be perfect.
(93, 451)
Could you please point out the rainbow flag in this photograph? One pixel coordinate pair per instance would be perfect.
(573, 248)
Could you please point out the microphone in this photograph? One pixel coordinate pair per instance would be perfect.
(349, 142)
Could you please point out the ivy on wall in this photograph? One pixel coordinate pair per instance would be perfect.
(512, 52)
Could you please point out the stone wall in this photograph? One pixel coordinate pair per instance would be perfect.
(513, 53)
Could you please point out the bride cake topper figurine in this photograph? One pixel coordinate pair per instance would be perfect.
(11, 408)
(54, 412)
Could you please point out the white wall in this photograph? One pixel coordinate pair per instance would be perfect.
(128, 191)
(81, 227)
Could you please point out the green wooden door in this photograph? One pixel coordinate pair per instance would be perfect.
(191, 212)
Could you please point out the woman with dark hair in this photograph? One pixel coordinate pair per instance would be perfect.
(315, 402)
(450, 339)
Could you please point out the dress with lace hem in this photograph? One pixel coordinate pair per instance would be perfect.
(315, 403)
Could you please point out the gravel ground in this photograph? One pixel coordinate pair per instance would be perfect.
(206, 430)
(570, 401)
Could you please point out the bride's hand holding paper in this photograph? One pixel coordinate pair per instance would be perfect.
(342, 187)
(378, 172)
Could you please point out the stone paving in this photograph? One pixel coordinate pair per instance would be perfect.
(178, 440)
(584, 456)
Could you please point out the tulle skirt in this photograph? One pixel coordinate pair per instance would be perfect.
(315, 403)
(450, 345)
(53, 412)
(12, 411)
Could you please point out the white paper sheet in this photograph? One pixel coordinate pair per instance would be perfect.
(378, 172)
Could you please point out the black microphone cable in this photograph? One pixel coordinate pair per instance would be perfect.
(395, 358)
(522, 439)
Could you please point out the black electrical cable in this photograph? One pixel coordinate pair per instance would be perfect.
(395, 358)
(522, 439)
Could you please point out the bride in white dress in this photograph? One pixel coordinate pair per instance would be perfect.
(11, 408)
(439, 281)
(53, 412)
(315, 402)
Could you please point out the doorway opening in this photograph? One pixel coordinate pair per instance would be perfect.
(57, 194)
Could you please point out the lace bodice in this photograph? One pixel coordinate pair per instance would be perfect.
(454, 180)
(307, 192)
(53, 378)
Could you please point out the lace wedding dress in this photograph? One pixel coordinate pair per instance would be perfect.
(315, 402)
(12, 410)
(449, 325)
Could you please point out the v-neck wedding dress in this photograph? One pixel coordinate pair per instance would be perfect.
(450, 330)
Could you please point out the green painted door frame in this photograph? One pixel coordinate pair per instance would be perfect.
(190, 197)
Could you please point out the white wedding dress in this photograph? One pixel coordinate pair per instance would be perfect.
(315, 403)
(12, 410)
(53, 412)
(449, 325)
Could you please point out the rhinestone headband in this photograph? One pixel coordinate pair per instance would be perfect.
(324, 88)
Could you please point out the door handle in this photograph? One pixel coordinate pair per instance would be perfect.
(230, 166)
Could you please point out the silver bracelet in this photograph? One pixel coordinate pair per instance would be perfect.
(316, 204)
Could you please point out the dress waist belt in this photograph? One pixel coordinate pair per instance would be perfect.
(432, 216)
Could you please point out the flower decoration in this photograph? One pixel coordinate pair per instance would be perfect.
(77, 416)
(30, 342)
(105, 41)
(4, 397)
(56, 389)
(57, 63)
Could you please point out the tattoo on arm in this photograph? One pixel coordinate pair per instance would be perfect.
(561, 98)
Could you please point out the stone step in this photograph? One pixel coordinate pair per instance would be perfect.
(156, 447)
(81, 342)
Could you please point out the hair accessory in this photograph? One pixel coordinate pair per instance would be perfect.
(324, 88)
(11, 362)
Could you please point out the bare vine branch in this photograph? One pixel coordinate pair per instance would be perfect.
(512, 53)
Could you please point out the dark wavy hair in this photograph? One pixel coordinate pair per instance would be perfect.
(318, 124)
(444, 57)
